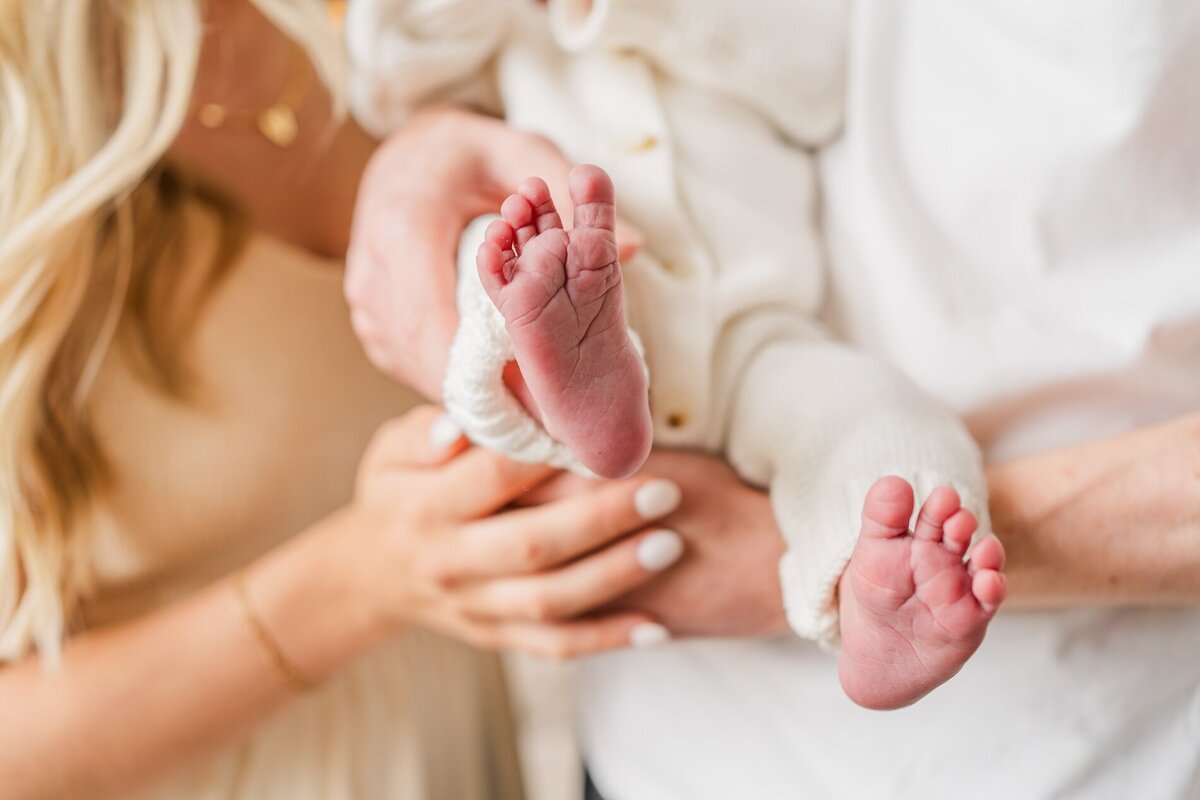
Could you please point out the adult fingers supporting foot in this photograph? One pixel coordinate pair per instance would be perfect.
(580, 587)
(424, 437)
(941, 504)
(538, 538)
(561, 641)
(486, 482)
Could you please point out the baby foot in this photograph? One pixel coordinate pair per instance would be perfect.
(560, 294)
(912, 612)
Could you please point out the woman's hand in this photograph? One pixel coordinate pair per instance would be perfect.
(727, 584)
(423, 185)
(429, 545)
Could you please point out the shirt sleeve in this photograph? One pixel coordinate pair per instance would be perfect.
(819, 423)
(786, 58)
(407, 53)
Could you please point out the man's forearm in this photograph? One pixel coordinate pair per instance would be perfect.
(1111, 522)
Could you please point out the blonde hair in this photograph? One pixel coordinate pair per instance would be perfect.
(92, 95)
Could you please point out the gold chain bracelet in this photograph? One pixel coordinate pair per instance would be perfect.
(292, 677)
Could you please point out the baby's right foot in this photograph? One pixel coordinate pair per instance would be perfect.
(560, 294)
(912, 610)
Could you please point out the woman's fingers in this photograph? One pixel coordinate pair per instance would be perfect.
(561, 641)
(424, 437)
(534, 539)
(578, 588)
(483, 482)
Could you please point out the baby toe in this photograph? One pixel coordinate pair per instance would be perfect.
(888, 508)
(990, 589)
(519, 215)
(988, 553)
(958, 530)
(941, 504)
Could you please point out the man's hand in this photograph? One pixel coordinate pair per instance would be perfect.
(727, 584)
(423, 185)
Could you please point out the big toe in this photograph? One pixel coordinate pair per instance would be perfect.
(593, 195)
(888, 508)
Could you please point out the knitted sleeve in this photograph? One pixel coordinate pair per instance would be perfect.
(405, 53)
(785, 58)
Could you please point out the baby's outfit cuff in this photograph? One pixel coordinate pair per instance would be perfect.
(810, 573)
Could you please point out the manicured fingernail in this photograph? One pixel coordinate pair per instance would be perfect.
(657, 498)
(444, 432)
(648, 634)
(660, 550)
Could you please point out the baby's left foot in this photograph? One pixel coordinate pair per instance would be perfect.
(912, 612)
(562, 300)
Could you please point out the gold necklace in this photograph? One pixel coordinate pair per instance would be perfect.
(277, 122)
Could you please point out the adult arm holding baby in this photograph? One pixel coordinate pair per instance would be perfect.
(377, 335)
(110, 707)
(198, 674)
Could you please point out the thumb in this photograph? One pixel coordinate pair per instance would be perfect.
(424, 437)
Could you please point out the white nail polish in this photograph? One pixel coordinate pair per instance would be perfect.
(648, 634)
(657, 498)
(444, 432)
(660, 550)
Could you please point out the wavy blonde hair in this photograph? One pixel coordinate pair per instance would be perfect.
(92, 95)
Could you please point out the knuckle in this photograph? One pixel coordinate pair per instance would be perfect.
(532, 552)
(614, 511)
(392, 430)
(482, 638)
(560, 649)
(490, 469)
(417, 518)
(437, 573)
(399, 431)
(541, 608)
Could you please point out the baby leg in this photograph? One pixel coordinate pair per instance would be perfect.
(561, 298)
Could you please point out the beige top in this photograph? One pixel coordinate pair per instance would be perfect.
(285, 406)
